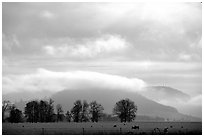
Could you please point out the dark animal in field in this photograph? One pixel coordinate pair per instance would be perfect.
(135, 127)
(181, 126)
(171, 126)
(156, 131)
(23, 126)
(91, 126)
(114, 125)
(124, 124)
(166, 130)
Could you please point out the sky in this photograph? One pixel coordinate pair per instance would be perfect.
(133, 44)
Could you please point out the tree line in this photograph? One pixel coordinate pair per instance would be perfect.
(82, 111)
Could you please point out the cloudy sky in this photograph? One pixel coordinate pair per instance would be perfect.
(129, 43)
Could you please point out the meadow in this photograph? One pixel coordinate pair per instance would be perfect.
(102, 128)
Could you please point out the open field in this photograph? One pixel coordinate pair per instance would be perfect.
(101, 128)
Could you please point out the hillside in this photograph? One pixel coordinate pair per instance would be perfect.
(163, 93)
(108, 99)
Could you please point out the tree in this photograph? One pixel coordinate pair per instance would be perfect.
(68, 116)
(5, 106)
(125, 109)
(15, 115)
(96, 111)
(39, 111)
(43, 111)
(32, 111)
(50, 111)
(84, 113)
(76, 110)
(59, 112)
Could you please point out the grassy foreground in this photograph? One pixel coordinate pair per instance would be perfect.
(102, 128)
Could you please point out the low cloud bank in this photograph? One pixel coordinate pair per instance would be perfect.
(45, 80)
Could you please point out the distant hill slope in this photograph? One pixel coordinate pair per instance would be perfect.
(108, 99)
(164, 94)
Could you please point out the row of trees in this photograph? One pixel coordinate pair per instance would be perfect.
(43, 111)
(39, 111)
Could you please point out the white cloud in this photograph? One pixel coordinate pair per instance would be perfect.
(185, 57)
(52, 81)
(45, 80)
(49, 50)
(47, 14)
(142, 25)
(89, 48)
(164, 12)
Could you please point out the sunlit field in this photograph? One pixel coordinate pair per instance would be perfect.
(102, 128)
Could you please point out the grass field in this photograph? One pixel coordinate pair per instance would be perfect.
(101, 128)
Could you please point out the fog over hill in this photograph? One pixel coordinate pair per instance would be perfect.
(108, 98)
(67, 87)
